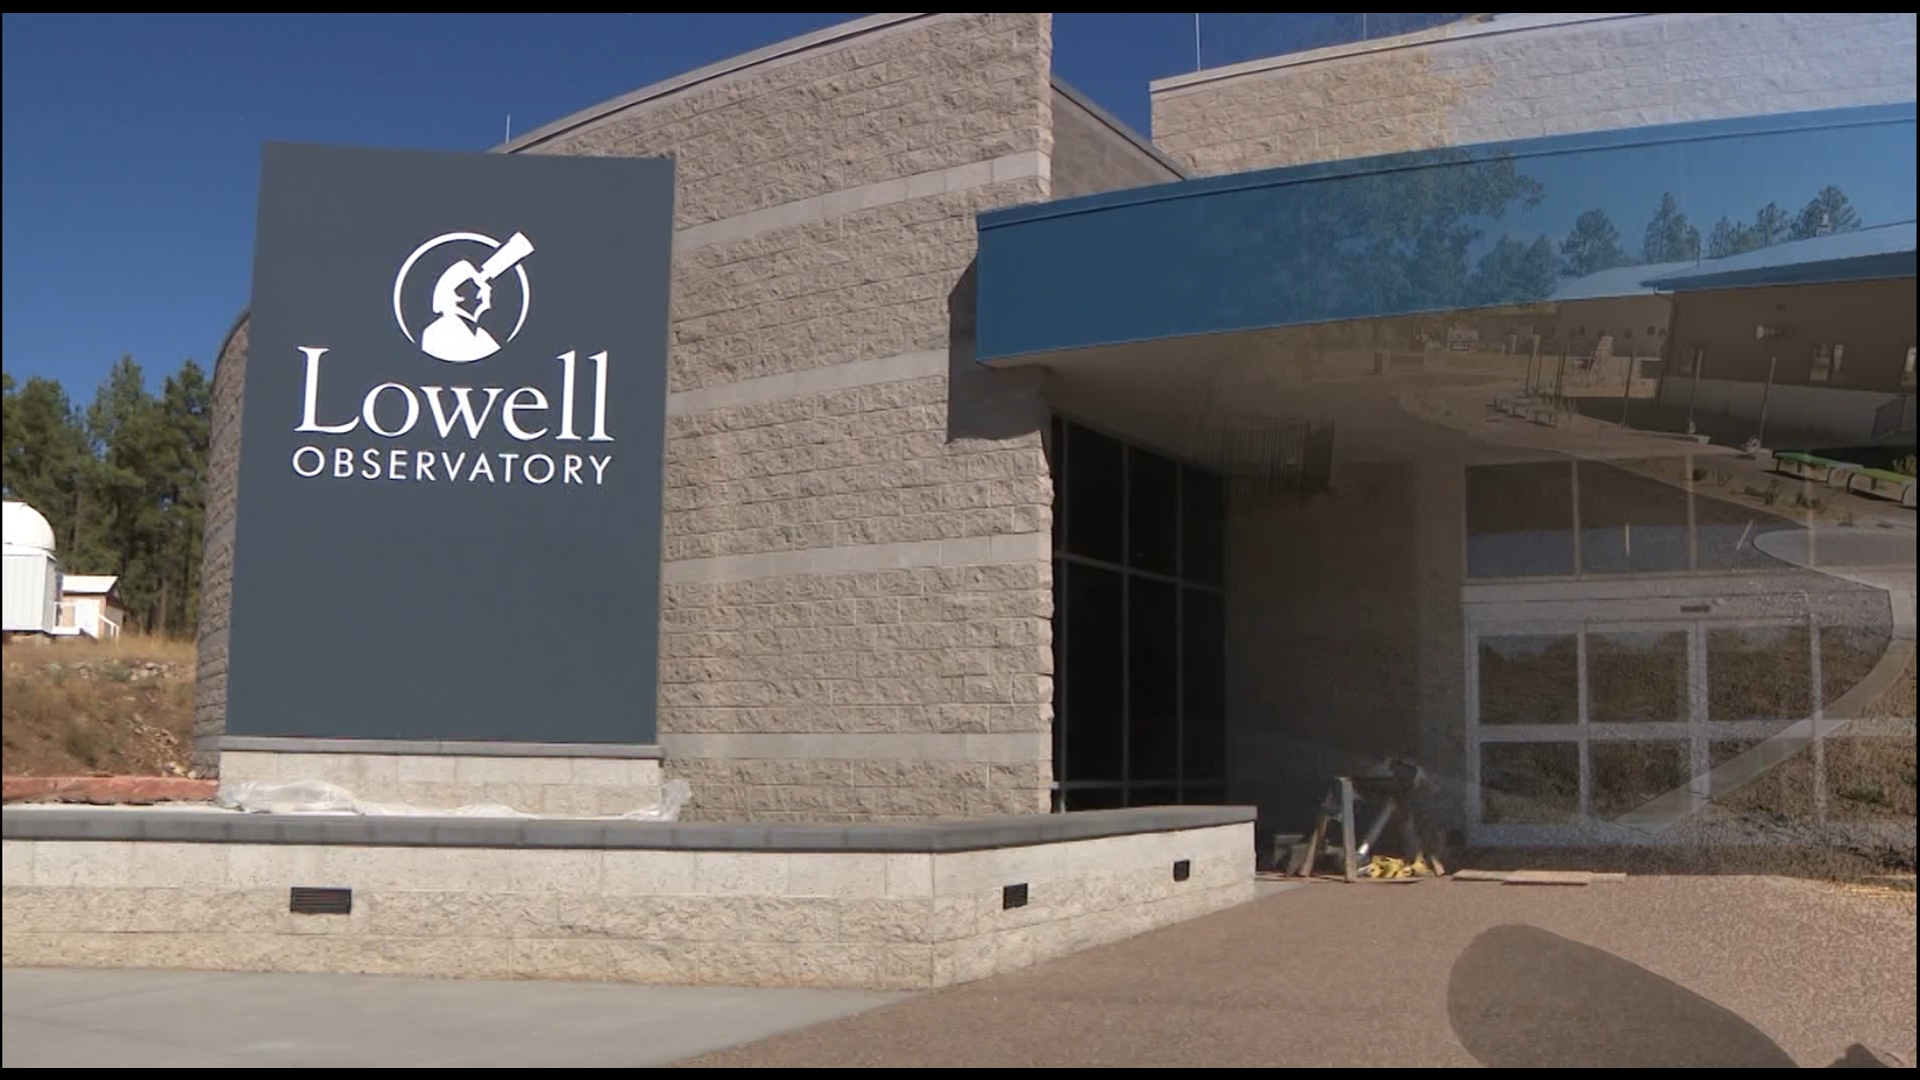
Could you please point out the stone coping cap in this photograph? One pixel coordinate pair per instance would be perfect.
(933, 837)
(263, 744)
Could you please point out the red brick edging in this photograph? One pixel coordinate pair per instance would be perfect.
(106, 790)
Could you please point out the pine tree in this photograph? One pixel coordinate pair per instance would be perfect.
(123, 483)
(47, 457)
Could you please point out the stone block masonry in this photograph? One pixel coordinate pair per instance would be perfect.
(857, 521)
(880, 907)
(1525, 76)
(844, 557)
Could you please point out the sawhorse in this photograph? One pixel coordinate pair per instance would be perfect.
(1339, 807)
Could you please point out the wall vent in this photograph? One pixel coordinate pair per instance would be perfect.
(308, 900)
(1013, 896)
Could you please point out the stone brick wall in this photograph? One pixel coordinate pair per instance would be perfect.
(1094, 152)
(216, 560)
(857, 593)
(1527, 76)
(856, 919)
(857, 599)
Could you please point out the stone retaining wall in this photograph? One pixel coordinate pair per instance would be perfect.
(875, 907)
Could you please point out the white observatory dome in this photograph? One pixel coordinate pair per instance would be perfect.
(23, 527)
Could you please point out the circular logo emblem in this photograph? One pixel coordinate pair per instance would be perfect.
(455, 329)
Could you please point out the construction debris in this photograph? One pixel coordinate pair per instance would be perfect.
(1388, 868)
(1541, 877)
(1495, 876)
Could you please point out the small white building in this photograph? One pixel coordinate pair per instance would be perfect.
(90, 605)
(30, 594)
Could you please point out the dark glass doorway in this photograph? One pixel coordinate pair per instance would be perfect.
(1139, 627)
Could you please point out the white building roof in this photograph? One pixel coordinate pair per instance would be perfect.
(22, 527)
(88, 584)
(1620, 281)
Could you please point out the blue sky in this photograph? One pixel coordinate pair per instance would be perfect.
(132, 142)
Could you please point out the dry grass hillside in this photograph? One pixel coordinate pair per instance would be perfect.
(122, 708)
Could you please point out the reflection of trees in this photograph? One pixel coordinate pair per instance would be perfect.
(1669, 236)
(1390, 242)
(1728, 238)
(1828, 212)
(1513, 271)
(1770, 225)
(1594, 243)
(1592, 246)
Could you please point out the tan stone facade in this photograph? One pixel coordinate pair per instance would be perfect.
(856, 592)
(852, 919)
(829, 542)
(1527, 76)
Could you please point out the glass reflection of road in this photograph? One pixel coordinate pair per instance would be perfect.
(1523, 997)
(1521, 523)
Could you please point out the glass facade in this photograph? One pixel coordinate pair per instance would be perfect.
(1139, 625)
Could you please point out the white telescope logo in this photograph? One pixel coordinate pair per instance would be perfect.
(462, 295)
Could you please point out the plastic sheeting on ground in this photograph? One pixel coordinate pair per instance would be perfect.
(320, 797)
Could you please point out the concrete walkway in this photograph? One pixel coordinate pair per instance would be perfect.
(1648, 973)
(156, 1019)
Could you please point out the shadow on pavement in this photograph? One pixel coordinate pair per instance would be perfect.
(1522, 997)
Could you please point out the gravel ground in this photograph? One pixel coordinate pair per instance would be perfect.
(1650, 972)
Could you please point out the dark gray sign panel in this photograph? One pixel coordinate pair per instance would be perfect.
(451, 448)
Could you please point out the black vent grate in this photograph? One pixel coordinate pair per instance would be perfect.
(1013, 896)
(1182, 869)
(309, 900)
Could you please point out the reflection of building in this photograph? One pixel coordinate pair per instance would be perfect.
(969, 504)
(1617, 305)
(1828, 321)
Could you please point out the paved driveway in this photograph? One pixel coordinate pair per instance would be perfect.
(1657, 971)
(162, 1019)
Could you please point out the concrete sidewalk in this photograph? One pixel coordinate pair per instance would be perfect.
(1653, 972)
(155, 1019)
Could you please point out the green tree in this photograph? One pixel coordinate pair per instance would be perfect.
(1669, 236)
(1728, 237)
(127, 431)
(123, 483)
(1592, 246)
(47, 457)
(179, 484)
(1828, 212)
